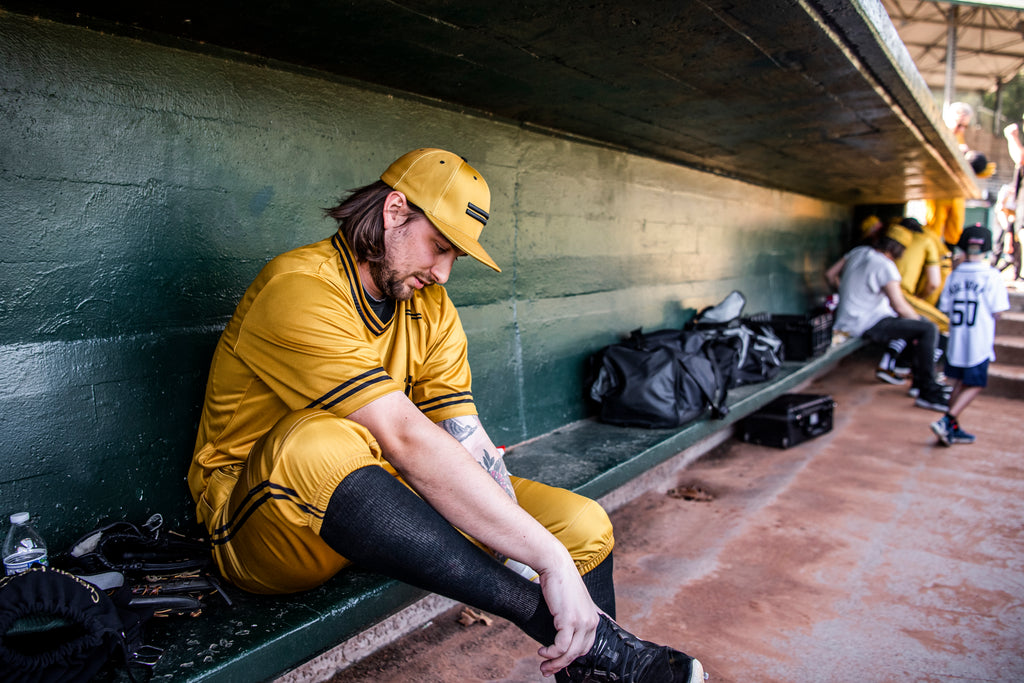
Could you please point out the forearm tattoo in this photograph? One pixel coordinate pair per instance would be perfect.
(462, 428)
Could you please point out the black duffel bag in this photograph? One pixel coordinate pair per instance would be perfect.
(753, 350)
(745, 350)
(659, 380)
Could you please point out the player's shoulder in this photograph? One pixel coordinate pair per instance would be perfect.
(317, 261)
(308, 257)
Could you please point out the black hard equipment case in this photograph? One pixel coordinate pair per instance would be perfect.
(788, 420)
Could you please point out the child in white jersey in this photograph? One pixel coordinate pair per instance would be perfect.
(973, 297)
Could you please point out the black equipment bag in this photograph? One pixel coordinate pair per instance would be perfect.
(759, 352)
(659, 380)
(746, 352)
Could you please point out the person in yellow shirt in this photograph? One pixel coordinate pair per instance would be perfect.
(944, 218)
(339, 427)
(944, 222)
(870, 228)
(920, 273)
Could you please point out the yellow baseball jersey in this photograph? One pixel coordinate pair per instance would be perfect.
(923, 251)
(944, 218)
(304, 336)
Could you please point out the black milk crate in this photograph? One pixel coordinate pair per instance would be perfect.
(788, 420)
(803, 336)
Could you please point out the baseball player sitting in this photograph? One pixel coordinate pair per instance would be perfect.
(872, 305)
(339, 427)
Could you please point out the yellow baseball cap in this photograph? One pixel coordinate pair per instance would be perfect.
(452, 194)
(869, 226)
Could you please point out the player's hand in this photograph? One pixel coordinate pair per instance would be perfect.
(575, 617)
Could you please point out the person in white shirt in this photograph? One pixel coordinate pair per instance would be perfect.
(973, 297)
(872, 305)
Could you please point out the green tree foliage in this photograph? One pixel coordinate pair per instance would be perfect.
(1013, 99)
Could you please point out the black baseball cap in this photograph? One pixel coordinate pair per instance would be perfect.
(976, 239)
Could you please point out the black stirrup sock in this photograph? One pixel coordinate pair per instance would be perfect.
(376, 522)
(601, 586)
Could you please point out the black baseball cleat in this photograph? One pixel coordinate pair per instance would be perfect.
(933, 399)
(623, 658)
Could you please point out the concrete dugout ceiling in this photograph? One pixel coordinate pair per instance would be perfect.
(817, 97)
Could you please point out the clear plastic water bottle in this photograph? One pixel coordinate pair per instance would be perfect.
(24, 547)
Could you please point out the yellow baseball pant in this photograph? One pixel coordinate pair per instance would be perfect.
(928, 311)
(266, 534)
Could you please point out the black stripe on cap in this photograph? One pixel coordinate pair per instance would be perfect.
(474, 211)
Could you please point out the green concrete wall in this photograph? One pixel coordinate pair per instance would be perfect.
(142, 187)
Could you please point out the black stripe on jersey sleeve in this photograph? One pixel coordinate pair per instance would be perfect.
(257, 496)
(352, 273)
(439, 402)
(449, 403)
(350, 387)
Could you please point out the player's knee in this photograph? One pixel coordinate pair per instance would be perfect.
(589, 536)
(311, 449)
(318, 431)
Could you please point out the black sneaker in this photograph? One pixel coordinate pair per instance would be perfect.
(914, 391)
(933, 399)
(621, 657)
(889, 377)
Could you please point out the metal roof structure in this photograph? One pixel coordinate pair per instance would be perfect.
(987, 41)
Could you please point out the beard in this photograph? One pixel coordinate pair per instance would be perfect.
(388, 280)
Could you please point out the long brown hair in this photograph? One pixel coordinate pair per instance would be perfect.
(360, 218)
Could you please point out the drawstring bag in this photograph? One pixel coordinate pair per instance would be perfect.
(57, 628)
(748, 352)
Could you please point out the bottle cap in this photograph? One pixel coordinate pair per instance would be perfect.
(19, 518)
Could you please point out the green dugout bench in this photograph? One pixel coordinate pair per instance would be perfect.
(262, 637)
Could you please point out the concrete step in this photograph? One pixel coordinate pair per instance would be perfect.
(1010, 324)
(1016, 300)
(1009, 350)
(1006, 375)
(1006, 381)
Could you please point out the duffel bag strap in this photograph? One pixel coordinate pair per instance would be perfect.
(710, 385)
